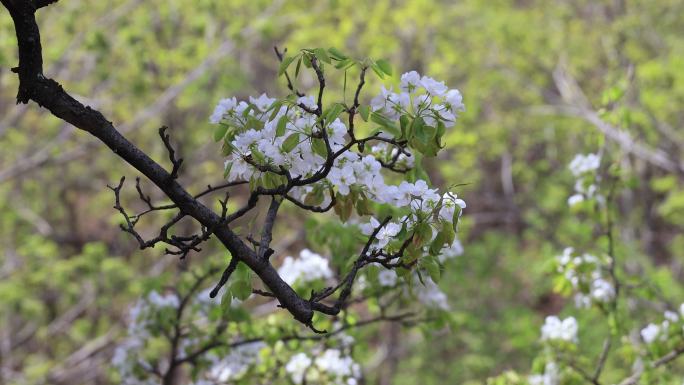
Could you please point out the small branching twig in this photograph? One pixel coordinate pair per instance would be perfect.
(176, 162)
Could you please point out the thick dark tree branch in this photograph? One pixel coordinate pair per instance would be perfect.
(49, 94)
(44, 3)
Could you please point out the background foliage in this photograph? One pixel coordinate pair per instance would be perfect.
(68, 275)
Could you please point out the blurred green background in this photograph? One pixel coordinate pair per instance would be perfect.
(525, 68)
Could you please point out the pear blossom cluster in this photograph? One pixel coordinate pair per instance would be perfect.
(586, 274)
(331, 366)
(350, 169)
(672, 325)
(267, 138)
(555, 329)
(420, 97)
(583, 167)
(272, 135)
(307, 268)
(423, 202)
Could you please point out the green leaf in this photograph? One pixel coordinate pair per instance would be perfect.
(384, 66)
(285, 63)
(258, 156)
(226, 299)
(422, 234)
(220, 132)
(432, 266)
(445, 237)
(322, 55)
(455, 218)
(386, 124)
(363, 206)
(405, 126)
(420, 130)
(282, 125)
(346, 209)
(291, 142)
(364, 111)
(315, 197)
(333, 112)
(378, 71)
(318, 147)
(307, 60)
(241, 289)
(335, 53)
(343, 63)
(299, 65)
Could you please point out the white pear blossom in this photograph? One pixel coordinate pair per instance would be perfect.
(452, 251)
(602, 290)
(650, 333)
(575, 199)
(387, 233)
(556, 329)
(223, 106)
(671, 316)
(581, 164)
(410, 81)
(166, 300)
(308, 267)
(431, 295)
(433, 87)
(387, 278)
(334, 363)
(454, 101)
(263, 102)
(298, 366)
(235, 364)
(308, 102)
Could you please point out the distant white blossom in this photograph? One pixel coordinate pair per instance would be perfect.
(451, 251)
(333, 362)
(586, 274)
(431, 295)
(575, 199)
(650, 333)
(297, 367)
(584, 163)
(308, 267)
(387, 277)
(235, 364)
(167, 300)
(556, 329)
